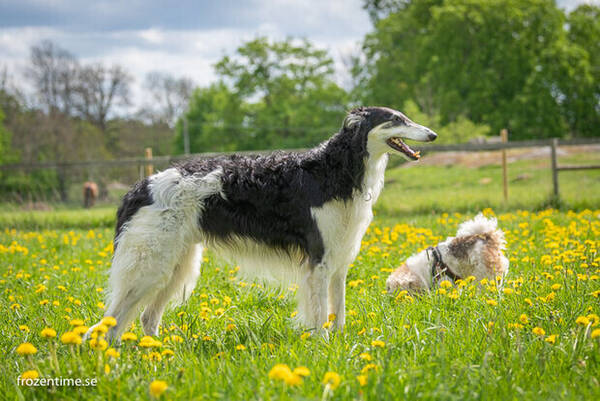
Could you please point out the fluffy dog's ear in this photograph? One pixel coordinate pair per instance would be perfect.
(354, 119)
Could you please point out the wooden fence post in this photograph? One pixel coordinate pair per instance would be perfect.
(149, 167)
(504, 136)
(553, 146)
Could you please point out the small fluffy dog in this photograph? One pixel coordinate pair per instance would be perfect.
(291, 217)
(475, 251)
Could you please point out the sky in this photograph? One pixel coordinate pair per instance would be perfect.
(183, 38)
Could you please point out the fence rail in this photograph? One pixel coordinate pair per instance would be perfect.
(144, 166)
(464, 147)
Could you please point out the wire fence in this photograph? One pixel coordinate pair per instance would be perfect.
(65, 181)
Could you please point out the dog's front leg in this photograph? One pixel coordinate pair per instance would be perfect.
(312, 298)
(337, 297)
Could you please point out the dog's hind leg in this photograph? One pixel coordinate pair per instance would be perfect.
(145, 262)
(178, 289)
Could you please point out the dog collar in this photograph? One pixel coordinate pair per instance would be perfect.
(438, 267)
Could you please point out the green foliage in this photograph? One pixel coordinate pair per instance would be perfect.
(506, 63)
(214, 119)
(6, 154)
(272, 95)
(461, 130)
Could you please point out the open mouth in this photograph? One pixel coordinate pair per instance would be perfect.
(397, 144)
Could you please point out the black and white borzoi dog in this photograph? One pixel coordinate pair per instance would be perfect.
(291, 217)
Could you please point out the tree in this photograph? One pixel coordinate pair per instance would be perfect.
(53, 72)
(288, 86)
(169, 97)
(215, 120)
(99, 90)
(505, 63)
(6, 154)
(581, 85)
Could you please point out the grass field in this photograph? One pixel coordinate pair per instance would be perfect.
(536, 338)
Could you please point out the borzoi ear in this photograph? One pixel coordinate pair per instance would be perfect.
(354, 119)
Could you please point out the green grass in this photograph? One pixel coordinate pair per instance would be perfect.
(54, 270)
(63, 218)
(426, 189)
(435, 347)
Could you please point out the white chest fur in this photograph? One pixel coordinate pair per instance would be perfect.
(343, 223)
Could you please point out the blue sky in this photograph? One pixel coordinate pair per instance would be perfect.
(184, 37)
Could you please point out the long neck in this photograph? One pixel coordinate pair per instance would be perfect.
(346, 167)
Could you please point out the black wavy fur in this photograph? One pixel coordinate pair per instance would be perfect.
(137, 197)
(268, 198)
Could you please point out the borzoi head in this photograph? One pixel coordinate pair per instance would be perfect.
(384, 129)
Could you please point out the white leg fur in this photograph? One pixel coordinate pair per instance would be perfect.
(153, 243)
(180, 287)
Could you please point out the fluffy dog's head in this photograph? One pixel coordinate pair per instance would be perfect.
(475, 251)
(384, 129)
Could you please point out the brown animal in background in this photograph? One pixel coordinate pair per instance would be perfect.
(90, 194)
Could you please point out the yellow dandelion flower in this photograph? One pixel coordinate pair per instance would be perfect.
(293, 379)
(327, 325)
(157, 387)
(167, 353)
(595, 333)
(332, 379)
(240, 347)
(30, 374)
(362, 380)
(98, 344)
(377, 343)
(331, 317)
(491, 302)
(109, 321)
(280, 371)
(106, 368)
(538, 331)
(71, 338)
(582, 321)
(305, 335)
(149, 342)
(301, 371)
(551, 339)
(80, 330)
(368, 367)
(26, 349)
(101, 328)
(76, 322)
(445, 284)
(113, 353)
(24, 328)
(128, 337)
(366, 356)
(48, 333)
(524, 319)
